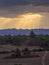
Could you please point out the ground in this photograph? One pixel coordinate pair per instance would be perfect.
(21, 61)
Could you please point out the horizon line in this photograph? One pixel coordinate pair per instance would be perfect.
(23, 29)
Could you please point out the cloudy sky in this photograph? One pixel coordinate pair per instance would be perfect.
(24, 14)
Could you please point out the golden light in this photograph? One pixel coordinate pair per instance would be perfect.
(24, 21)
(29, 21)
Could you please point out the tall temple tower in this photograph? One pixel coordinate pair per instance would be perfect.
(32, 35)
(32, 40)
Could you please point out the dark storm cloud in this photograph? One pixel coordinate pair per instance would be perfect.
(23, 2)
(5, 3)
(12, 8)
(40, 2)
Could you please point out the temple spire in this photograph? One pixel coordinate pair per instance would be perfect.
(32, 35)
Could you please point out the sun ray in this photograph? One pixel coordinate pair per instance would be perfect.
(24, 21)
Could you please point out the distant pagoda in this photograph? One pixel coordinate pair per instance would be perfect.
(32, 40)
(32, 35)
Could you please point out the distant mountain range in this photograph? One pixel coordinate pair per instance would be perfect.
(23, 32)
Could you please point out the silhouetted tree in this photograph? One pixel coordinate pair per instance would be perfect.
(26, 52)
(18, 52)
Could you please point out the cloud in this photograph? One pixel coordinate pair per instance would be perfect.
(44, 23)
(13, 13)
(23, 2)
(7, 3)
(13, 8)
(19, 10)
(18, 22)
(26, 21)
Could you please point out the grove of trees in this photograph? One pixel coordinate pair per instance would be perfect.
(20, 39)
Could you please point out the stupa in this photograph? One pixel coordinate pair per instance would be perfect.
(32, 40)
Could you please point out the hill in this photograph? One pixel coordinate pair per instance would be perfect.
(23, 31)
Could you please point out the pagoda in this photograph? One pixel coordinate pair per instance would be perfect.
(32, 40)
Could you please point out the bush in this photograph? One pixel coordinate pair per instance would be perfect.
(17, 64)
(4, 52)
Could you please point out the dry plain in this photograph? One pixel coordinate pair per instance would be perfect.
(21, 61)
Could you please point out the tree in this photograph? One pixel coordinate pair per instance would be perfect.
(18, 52)
(26, 52)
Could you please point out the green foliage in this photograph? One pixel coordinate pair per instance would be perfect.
(44, 41)
(14, 40)
(26, 52)
(19, 39)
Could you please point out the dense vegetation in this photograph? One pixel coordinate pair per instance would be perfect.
(44, 41)
(13, 40)
(19, 39)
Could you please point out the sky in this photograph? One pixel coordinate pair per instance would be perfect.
(24, 14)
